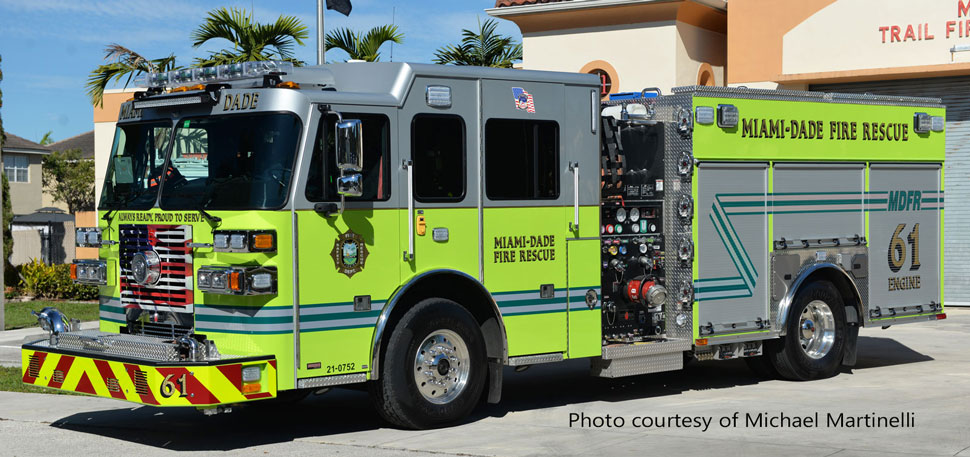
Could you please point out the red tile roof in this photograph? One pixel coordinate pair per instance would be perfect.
(504, 3)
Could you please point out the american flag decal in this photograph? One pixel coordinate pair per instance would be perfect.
(523, 100)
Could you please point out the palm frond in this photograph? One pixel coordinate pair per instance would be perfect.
(346, 40)
(482, 47)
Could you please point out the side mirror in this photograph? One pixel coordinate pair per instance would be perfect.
(350, 145)
(350, 185)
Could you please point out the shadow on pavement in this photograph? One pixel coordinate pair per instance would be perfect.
(343, 411)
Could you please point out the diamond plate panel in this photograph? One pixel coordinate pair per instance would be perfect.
(618, 368)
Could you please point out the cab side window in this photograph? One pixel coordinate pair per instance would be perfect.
(521, 159)
(323, 173)
(438, 153)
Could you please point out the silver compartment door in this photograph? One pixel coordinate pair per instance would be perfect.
(732, 247)
(904, 266)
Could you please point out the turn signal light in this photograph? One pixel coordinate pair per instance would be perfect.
(234, 283)
(73, 272)
(263, 241)
(701, 341)
(251, 388)
(940, 317)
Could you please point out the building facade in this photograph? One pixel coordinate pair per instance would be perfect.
(22, 160)
(631, 44)
(891, 47)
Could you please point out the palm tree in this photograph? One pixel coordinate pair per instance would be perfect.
(250, 40)
(483, 48)
(125, 63)
(360, 46)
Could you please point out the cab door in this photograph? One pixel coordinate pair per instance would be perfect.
(349, 261)
(524, 225)
(441, 143)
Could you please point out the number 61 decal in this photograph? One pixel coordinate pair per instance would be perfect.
(897, 248)
(168, 387)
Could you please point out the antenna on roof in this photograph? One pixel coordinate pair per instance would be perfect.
(393, 11)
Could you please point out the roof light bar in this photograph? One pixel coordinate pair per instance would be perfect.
(208, 75)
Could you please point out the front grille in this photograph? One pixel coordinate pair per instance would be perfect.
(161, 330)
(174, 288)
(141, 382)
(33, 367)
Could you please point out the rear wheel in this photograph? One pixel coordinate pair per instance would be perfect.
(816, 332)
(433, 370)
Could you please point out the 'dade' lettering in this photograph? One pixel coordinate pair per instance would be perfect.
(237, 102)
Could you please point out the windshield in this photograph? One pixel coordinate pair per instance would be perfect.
(133, 173)
(231, 162)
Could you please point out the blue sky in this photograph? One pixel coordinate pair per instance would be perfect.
(50, 46)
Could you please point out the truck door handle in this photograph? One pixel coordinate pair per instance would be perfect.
(409, 166)
(574, 225)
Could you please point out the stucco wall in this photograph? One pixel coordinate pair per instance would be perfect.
(696, 46)
(634, 50)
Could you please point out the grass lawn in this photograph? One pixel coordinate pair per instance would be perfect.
(11, 380)
(17, 314)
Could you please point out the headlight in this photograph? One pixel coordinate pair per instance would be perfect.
(91, 272)
(244, 241)
(251, 374)
(237, 280)
(87, 237)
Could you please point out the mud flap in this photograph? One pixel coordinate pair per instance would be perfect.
(851, 340)
(494, 380)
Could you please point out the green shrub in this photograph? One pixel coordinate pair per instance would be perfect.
(53, 281)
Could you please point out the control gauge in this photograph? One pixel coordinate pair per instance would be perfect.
(621, 215)
(643, 248)
(634, 214)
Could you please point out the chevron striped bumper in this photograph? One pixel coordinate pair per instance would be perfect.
(200, 384)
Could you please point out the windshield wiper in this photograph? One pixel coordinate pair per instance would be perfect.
(126, 200)
(212, 220)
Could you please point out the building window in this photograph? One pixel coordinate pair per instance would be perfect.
(606, 83)
(521, 159)
(438, 152)
(377, 165)
(16, 166)
(609, 80)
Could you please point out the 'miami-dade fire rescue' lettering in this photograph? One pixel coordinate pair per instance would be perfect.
(820, 130)
(524, 248)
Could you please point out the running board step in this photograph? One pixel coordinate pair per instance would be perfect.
(535, 359)
(623, 351)
(618, 368)
(619, 360)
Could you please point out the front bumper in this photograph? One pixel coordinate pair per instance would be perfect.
(149, 380)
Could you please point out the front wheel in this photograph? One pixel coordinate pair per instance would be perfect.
(433, 370)
(816, 331)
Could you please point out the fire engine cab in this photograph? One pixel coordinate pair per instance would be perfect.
(417, 228)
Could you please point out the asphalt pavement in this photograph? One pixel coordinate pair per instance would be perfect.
(917, 375)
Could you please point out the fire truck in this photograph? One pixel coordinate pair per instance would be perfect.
(266, 231)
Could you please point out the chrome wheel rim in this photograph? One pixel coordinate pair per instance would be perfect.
(441, 366)
(816, 329)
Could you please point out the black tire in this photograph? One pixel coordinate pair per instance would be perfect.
(787, 354)
(396, 393)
